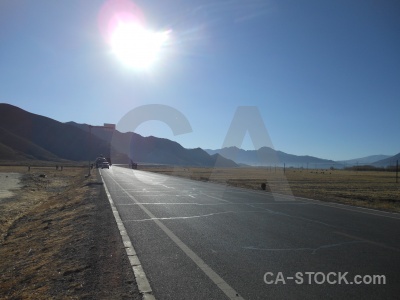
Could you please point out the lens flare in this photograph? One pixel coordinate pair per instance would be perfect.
(136, 46)
(123, 26)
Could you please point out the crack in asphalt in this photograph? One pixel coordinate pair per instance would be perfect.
(190, 217)
(294, 217)
(201, 204)
(314, 250)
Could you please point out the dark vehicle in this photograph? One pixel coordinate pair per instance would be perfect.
(99, 162)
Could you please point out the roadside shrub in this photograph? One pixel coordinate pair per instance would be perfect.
(263, 186)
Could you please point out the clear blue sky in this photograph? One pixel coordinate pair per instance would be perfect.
(325, 75)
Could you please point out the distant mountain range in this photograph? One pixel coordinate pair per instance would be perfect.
(368, 160)
(267, 156)
(390, 161)
(137, 148)
(26, 136)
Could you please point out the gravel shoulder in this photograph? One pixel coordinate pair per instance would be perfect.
(8, 182)
(59, 239)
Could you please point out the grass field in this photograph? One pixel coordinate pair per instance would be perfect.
(29, 244)
(59, 239)
(370, 189)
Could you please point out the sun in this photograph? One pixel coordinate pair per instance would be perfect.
(135, 46)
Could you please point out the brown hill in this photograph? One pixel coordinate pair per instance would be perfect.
(154, 150)
(36, 137)
(19, 148)
(27, 136)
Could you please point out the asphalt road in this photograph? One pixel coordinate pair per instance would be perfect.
(199, 240)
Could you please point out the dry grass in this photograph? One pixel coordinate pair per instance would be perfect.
(56, 239)
(34, 226)
(35, 192)
(377, 190)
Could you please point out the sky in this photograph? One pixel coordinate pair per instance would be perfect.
(322, 76)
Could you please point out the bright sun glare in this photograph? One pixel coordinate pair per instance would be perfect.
(136, 46)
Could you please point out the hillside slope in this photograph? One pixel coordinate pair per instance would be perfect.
(27, 136)
(153, 149)
(390, 161)
(42, 138)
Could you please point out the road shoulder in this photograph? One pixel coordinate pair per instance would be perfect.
(65, 243)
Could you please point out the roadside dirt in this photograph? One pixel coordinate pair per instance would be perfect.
(59, 240)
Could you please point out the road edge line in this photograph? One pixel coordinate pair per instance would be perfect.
(207, 270)
(140, 276)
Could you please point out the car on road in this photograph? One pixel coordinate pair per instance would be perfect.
(105, 164)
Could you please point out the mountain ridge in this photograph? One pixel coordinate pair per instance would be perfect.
(28, 136)
(390, 161)
(364, 160)
(266, 156)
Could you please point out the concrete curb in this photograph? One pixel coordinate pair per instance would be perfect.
(140, 276)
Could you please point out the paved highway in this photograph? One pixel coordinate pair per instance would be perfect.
(199, 240)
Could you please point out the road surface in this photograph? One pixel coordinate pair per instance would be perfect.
(199, 240)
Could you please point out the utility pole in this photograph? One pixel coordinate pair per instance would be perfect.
(397, 171)
(90, 147)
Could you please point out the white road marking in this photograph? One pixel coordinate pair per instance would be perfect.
(210, 204)
(217, 198)
(367, 241)
(356, 209)
(190, 217)
(282, 197)
(221, 284)
(314, 250)
(292, 216)
(168, 187)
(140, 276)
